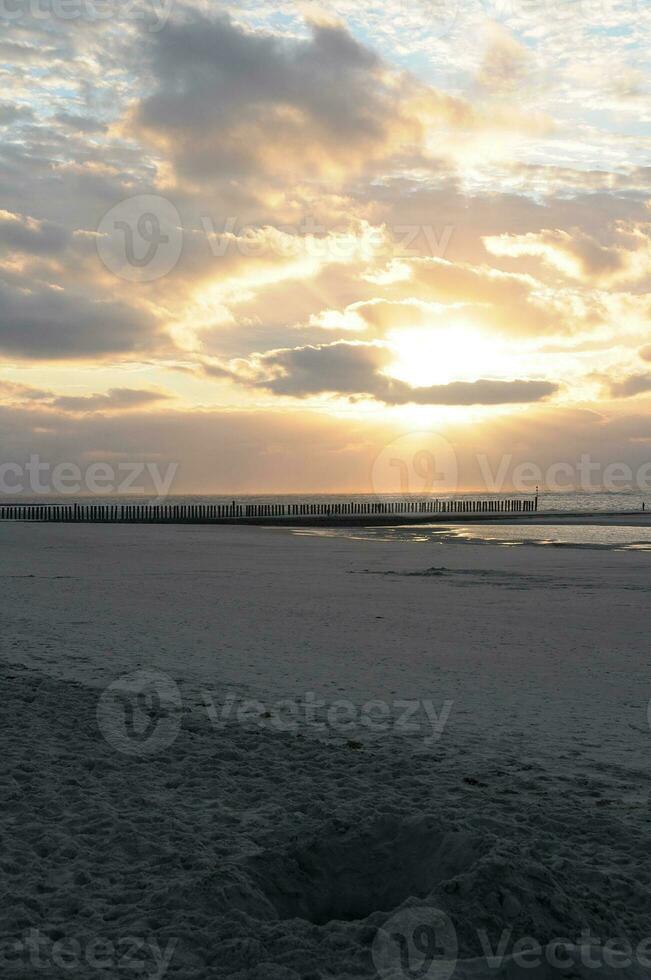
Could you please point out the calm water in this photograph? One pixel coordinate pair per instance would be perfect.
(567, 502)
(627, 538)
(555, 535)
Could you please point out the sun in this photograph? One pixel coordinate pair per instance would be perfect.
(441, 355)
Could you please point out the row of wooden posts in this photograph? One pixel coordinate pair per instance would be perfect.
(226, 513)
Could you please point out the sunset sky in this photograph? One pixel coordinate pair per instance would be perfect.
(269, 241)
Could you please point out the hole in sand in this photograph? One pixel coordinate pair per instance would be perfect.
(347, 876)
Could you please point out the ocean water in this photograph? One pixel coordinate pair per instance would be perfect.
(630, 538)
(571, 502)
(604, 537)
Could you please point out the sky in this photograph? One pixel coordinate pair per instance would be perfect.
(289, 246)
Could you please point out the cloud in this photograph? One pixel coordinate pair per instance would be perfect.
(357, 370)
(26, 234)
(19, 394)
(276, 451)
(504, 301)
(581, 256)
(311, 452)
(233, 102)
(10, 113)
(114, 400)
(241, 104)
(506, 65)
(267, 120)
(81, 124)
(20, 53)
(49, 323)
(629, 85)
(634, 384)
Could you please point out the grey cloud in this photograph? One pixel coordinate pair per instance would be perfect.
(634, 384)
(49, 323)
(114, 400)
(34, 237)
(9, 113)
(214, 80)
(307, 451)
(19, 52)
(356, 370)
(81, 124)
(595, 258)
(481, 392)
(208, 70)
(14, 392)
(241, 455)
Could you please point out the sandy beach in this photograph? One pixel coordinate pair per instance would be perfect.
(325, 490)
(257, 754)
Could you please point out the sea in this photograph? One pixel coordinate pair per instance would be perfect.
(628, 538)
(568, 502)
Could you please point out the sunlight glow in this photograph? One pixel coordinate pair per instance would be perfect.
(454, 353)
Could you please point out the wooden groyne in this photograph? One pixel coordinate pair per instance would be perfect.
(353, 511)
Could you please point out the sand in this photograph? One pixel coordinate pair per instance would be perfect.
(448, 755)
